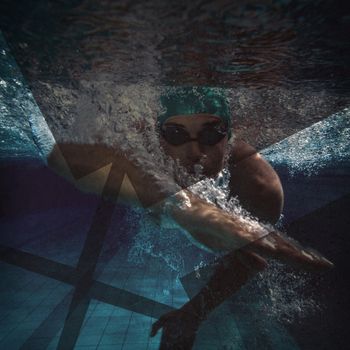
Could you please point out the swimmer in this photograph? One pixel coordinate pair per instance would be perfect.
(195, 130)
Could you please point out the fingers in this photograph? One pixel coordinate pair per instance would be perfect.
(178, 332)
(177, 336)
(157, 326)
(286, 249)
(169, 343)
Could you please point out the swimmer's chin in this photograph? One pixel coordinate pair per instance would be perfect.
(196, 170)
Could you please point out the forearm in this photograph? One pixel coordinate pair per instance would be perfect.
(231, 273)
(89, 166)
(211, 226)
(224, 232)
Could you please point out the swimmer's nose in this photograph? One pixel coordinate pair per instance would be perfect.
(194, 152)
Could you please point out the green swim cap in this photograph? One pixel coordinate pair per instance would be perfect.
(194, 100)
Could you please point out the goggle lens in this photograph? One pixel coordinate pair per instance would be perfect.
(177, 136)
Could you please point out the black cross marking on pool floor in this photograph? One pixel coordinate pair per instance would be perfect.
(82, 276)
(86, 288)
(97, 290)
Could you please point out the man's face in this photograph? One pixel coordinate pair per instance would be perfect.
(194, 155)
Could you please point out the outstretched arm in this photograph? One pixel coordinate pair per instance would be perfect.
(88, 167)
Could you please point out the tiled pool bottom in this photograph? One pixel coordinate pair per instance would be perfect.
(33, 309)
(52, 224)
(46, 217)
(29, 309)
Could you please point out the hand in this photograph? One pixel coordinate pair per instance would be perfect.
(279, 246)
(179, 330)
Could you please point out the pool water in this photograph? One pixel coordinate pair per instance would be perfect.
(68, 65)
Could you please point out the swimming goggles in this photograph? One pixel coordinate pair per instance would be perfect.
(177, 135)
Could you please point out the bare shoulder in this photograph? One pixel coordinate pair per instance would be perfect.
(255, 182)
(246, 159)
(241, 150)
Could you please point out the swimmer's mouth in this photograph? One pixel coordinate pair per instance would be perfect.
(198, 171)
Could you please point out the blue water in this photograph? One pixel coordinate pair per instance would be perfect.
(314, 165)
(16, 138)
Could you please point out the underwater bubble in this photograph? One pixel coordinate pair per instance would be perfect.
(282, 293)
(315, 148)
